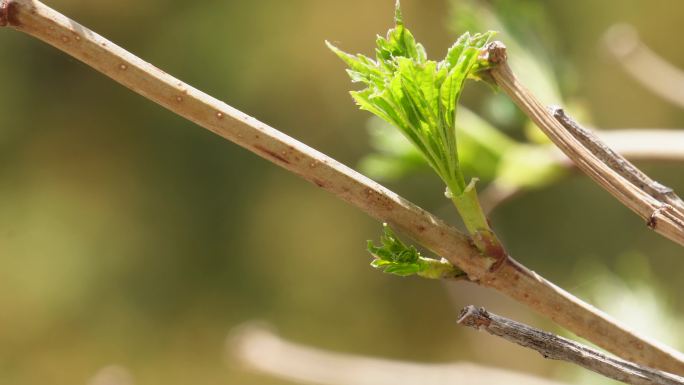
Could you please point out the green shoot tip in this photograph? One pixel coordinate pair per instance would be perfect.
(398, 18)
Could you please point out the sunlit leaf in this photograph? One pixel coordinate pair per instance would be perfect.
(395, 257)
(417, 95)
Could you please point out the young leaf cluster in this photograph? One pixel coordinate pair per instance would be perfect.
(417, 95)
(395, 257)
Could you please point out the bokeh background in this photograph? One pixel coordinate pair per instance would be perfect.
(131, 237)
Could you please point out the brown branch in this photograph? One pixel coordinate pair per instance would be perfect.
(558, 348)
(645, 144)
(37, 20)
(617, 162)
(261, 350)
(664, 218)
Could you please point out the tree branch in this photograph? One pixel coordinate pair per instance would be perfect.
(617, 162)
(662, 217)
(645, 144)
(558, 348)
(507, 276)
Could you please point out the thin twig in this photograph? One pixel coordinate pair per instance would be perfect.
(558, 348)
(616, 161)
(644, 65)
(664, 218)
(259, 349)
(509, 277)
(642, 144)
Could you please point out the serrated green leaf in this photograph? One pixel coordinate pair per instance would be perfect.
(395, 257)
(454, 53)
(419, 97)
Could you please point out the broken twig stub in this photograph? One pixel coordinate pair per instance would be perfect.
(8, 12)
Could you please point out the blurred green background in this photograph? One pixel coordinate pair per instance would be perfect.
(131, 237)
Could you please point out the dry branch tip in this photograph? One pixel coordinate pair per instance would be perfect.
(474, 317)
(8, 12)
(4, 8)
(494, 52)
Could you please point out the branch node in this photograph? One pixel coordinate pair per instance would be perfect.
(8, 13)
(4, 10)
(494, 52)
(667, 211)
(474, 317)
(652, 221)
